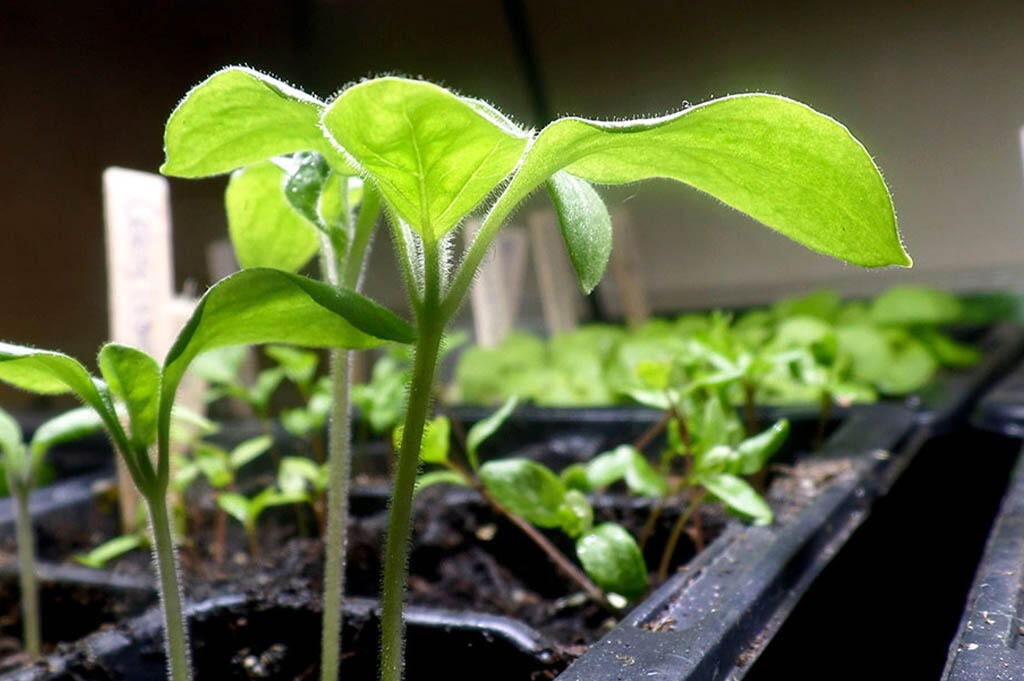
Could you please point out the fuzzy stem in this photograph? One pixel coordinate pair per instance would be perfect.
(27, 572)
(175, 631)
(337, 517)
(396, 553)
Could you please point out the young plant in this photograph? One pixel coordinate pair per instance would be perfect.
(21, 464)
(531, 496)
(433, 158)
(248, 510)
(291, 195)
(258, 305)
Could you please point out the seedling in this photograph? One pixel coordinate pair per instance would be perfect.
(21, 464)
(531, 496)
(247, 510)
(258, 305)
(433, 158)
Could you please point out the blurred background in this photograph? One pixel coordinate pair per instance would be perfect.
(931, 88)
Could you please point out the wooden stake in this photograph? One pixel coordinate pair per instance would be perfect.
(140, 280)
(497, 290)
(559, 291)
(625, 268)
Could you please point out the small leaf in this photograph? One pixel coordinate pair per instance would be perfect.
(220, 366)
(307, 176)
(485, 428)
(585, 224)
(641, 478)
(435, 444)
(739, 497)
(213, 463)
(437, 477)
(795, 170)
(50, 373)
(237, 117)
(903, 305)
(611, 557)
(754, 452)
(70, 426)
(249, 450)
(12, 446)
(299, 365)
(525, 488)
(296, 474)
(264, 227)
(912, 368)
(134, 377)
(577, 513)
(433, 155)
(574, 477)
(947, 351)
(236, 506)
(109, 550)
(608, 468)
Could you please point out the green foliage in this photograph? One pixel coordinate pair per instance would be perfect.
(585, 224)
(613, 560)
(112, 549)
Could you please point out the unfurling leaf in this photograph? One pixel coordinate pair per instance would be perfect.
(585, 224)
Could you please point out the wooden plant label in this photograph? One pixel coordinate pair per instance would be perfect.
(497, 290)
(140, 280)
(625, 268)
(559, 291)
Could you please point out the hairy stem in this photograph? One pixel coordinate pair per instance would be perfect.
(175, 631)
(339, 465)
(27, 572)
(396, 553)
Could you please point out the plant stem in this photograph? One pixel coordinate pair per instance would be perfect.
(175, 632)
(27, 572)
(396, 553)
(673, 538)
(339, 465)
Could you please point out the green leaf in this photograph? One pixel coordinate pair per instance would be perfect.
(739, 497)
(793, 169)
(236, 506)
(109, 550)
(525, 488)
(754, 452)
(947, 351)
(213, 463)
(262, 305)
(912, 368)
(433, 155)
(436, 439)
(250, 450)
(611, 557)
(237, 117)
(485, 428)
(297, 474)
(307, 175)
(574, 477)
(577, 513)
(70, 426)
(52, 373)
(12, 446)
(903, 305)
(299, 365)
(265, 229)
(437, 477)
(134, 377)
(220, 366)
(586, 227)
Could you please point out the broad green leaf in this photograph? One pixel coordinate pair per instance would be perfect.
(436, 477)
(433, 155)
(250, 450)
(785, 165)
(611, 557)
(739, 497)
(262, 305)
(52, 373)
(586, 227)
(754, 452)
(237, 117)
(485, 428)
(577, 513)
(915, 305)
(134, 378)
(265, 229)
(109, 550)
(526, 489)
(70, 426)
